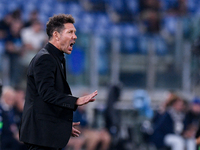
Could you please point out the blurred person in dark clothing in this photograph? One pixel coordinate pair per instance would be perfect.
(163, 107)
(149, 5)
(191, 123)
(111, 115)
(17, 14)
(18, 109)
(18, 105)
(170, 125)
(192, 117)
(33, 17)
(10, 134)
(5, 23)
(3, 35)
(47, 120)
(197, 138)
(151, 21)
(14, 47)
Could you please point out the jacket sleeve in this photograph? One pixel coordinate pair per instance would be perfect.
(44, 75)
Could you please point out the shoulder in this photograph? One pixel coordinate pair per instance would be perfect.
(43, 58)
(43, 54)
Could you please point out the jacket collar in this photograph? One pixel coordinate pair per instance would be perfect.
(55, 51)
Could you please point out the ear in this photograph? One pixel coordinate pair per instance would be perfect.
(56, 35)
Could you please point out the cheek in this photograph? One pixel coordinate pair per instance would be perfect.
(64, 42)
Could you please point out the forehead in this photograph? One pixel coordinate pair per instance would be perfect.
(69, 26)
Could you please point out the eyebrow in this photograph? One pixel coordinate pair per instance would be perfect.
(72, 30)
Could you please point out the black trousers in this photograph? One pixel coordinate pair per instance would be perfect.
(36, 147)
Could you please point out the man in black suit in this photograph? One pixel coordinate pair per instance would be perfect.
(49, 104)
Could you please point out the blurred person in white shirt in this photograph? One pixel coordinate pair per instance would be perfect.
(34, 38)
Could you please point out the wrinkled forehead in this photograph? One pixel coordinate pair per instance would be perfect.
(69, 26)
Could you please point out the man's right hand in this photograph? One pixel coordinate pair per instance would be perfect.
(86, 99)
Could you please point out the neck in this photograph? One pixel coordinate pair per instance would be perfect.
(55, 43)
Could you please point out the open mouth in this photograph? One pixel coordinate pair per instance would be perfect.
(71, 45)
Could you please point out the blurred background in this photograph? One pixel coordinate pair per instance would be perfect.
(138, 54)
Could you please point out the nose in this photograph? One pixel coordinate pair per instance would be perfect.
(74, 36)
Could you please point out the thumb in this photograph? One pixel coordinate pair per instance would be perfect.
(76, 123)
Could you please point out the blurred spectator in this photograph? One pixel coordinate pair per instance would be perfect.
(151, 21)
(34, 16)
(94, 5)
(18, 109)
(170, 125)
(111, 115)
(9, 136)
(6, 22)
(91, 137)
(18, 105)
(182, 7)
(149, 5)
(34, 39)
(2, 46)
(197, 138)
(191, 123)
(158, 113)
(14, 47)
(17, 14)
(1, 113)
(167, 103)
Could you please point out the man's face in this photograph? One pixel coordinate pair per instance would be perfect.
(67, 38)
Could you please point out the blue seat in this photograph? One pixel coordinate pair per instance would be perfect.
(43, 18)
(133, 6)
(3, 10)
(12, 6)
(29, 6)
(129, 45)
(193, 6)
(143, 44)
(45, 8)
(166, 4)
(115, 30)
(86, 23)
(74, 9)
(129, 38)
(160, 45)
(102, 24)
(130, 30)
(103, 61)
(59, 8)
(169, 24)
(117, 5)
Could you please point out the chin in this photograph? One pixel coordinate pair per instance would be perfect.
(68, 52)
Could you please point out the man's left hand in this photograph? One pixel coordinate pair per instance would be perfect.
(75, 132)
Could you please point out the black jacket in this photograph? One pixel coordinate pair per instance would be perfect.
(49, 105)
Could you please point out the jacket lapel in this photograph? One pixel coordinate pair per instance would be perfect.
(60, 67)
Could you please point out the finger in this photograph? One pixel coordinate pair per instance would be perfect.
(95, 93)
(92, 100)
(77, 131)
(75, 135)
(75, 123)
